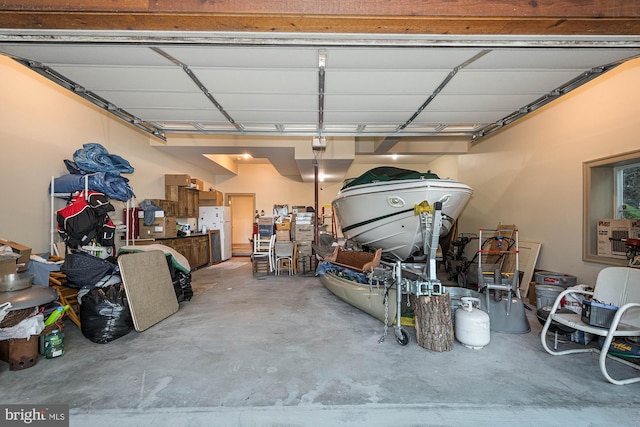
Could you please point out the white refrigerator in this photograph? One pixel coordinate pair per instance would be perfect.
(218, 218)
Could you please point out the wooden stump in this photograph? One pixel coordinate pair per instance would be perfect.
(434, 327)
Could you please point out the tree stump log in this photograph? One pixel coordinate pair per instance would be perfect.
(434, 327)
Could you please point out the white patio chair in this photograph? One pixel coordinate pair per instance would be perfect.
(284, 257)
(261, 257)
(272, 262)
(618, 286)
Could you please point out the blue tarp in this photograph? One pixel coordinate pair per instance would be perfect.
(113, 186)
(346, 273)
(102, 171)
(93, 157)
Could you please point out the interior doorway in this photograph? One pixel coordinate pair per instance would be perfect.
(243, 206)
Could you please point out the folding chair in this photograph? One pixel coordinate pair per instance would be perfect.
(617, 286)
(284, 257)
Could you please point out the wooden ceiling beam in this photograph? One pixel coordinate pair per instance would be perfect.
(464, 17)
(318, 24)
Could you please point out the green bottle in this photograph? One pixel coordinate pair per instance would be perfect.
(54, 344)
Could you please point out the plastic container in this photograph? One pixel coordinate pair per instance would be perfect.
(54, 344)
(56, 314)
(598, 314)
(547, 294)
(555, 279)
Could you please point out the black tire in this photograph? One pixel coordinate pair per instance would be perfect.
(405, 338)
(462, 280)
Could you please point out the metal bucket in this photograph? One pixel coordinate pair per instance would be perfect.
(547, 294)
(15, 282)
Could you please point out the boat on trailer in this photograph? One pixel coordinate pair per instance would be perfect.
(384, 277)
(401, 213)
(378, 209)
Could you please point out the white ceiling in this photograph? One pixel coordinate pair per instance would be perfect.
(269, 99)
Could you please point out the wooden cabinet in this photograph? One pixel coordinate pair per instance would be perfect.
(187, 202)
(187, 198)
(194, 248)
(200, 250)
(211, 198)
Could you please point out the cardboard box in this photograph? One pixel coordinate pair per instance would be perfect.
(179, 180)
(304, 218)
(283, 236)
(303, 232)
(22, 250)
(265, 230)
(161, 228)
(304, 248)
(284, 225)
(197, 183)
(266, 220)
(156, 214)
(8, 266)
(613, 229)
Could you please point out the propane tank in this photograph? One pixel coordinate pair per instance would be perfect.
(472, 324)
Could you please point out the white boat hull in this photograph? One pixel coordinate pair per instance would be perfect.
(381, 214)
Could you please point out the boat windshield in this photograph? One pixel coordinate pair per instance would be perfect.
(388, 173)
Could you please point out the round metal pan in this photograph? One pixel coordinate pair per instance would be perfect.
(29, 297)
(15, 282)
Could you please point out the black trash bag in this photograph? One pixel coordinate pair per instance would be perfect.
(85, 270)
(181, 281)
(105, 314)
(182, 286)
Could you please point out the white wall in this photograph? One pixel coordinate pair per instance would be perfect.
(269, 187)
(42, 124)
(530, 174)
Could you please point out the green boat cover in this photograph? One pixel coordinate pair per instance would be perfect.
(388, 173)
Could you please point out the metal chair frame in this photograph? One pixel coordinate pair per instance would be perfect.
(284, 251)
(619, 286)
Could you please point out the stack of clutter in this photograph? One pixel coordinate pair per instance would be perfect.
(23, 308)
(549, 285)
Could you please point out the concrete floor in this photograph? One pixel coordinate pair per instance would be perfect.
(283, 351)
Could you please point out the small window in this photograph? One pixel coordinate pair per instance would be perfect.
(611, 190)
(627, 186)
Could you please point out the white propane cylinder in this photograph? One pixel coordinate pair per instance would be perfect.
(472, 324)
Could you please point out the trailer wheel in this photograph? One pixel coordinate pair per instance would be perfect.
(404, 340)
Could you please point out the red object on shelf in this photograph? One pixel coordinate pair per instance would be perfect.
(133, 230)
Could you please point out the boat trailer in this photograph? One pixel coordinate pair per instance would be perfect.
(412, 278)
